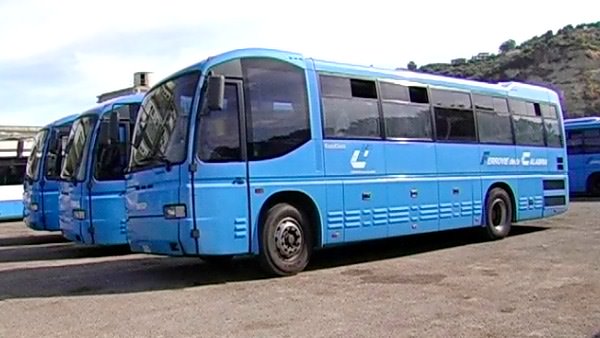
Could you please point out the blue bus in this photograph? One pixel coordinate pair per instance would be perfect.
(583, 149)
(13, 159)
(92, 209)
(268, 153)
(40, 196)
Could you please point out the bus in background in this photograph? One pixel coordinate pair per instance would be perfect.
(92, 208)
(13, 159)
(268, 153)
(40, 196)
(583, 148)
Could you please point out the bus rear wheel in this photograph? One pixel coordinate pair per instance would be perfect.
(594, 185)
(498, 214)
(285, 241)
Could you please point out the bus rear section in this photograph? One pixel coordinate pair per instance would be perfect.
(583, 147)
(40, 196)
(266, 153)
(92, 207)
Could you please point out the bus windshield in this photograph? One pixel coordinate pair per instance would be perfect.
(111, 155)
(79, 138)
(160, 134)
(35, 158)
(55, 154)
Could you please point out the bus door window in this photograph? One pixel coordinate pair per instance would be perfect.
(218, 139)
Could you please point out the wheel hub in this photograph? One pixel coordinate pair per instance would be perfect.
(288, 238)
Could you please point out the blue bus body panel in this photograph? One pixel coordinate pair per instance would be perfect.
(412, 188)
(107, 219)
(69, 199)
(582, 166)
(11, 209)
(459, 182)
(147, 192)
(273, 176)
(32, 193)
(221, 230)
(50, 201)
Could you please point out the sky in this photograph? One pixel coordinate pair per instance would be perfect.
(57, 56)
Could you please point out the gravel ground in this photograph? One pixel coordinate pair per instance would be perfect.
(542, 281)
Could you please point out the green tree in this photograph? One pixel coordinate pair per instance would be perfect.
(507, 45)
(411, 66)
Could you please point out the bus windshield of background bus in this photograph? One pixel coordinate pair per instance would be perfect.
(75, 159)
(160, 135)
(35, 158)
(56, 150)
(111, 155)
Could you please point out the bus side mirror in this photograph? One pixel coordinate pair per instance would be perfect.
(113, 127)
(215, 92)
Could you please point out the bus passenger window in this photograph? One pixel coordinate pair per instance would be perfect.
(350, 108)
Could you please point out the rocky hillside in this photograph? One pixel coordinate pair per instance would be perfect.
(567, 61)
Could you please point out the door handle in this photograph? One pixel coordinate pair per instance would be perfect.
(455, 191)
(414, 193)
(238, 180)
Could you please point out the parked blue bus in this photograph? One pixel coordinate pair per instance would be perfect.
(92, 208)
(40, 196)
(583, 149)
(13, 159)
(268, 153)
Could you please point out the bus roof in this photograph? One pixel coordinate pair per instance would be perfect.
(582, 122)
(62, 121)
(511, 89)
(105, 106)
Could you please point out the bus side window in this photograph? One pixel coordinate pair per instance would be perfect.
(275, 92)
(350, 108)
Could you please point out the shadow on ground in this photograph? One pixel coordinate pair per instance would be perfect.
(150, 273)
(32, 239)
(584, 198)
(59, 250)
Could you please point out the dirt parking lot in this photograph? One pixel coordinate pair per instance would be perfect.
(542, 281)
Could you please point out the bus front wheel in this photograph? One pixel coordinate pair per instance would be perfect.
(285, 241)
(498, 214)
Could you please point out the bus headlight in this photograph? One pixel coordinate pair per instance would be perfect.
(33, 207)
(174, 211)
(79, 214)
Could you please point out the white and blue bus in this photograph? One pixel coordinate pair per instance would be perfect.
(583, 149)
(13, 159)
(269, 153)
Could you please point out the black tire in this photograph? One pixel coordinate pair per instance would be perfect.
(498, 214)
(594, 185)
(285, 241)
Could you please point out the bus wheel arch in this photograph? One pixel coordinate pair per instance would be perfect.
(288, 210)
(593, 184)
(499, 211)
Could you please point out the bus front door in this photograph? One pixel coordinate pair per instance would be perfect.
(220, 181)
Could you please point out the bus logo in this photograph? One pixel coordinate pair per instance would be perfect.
(357, 161)
(524, 160)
